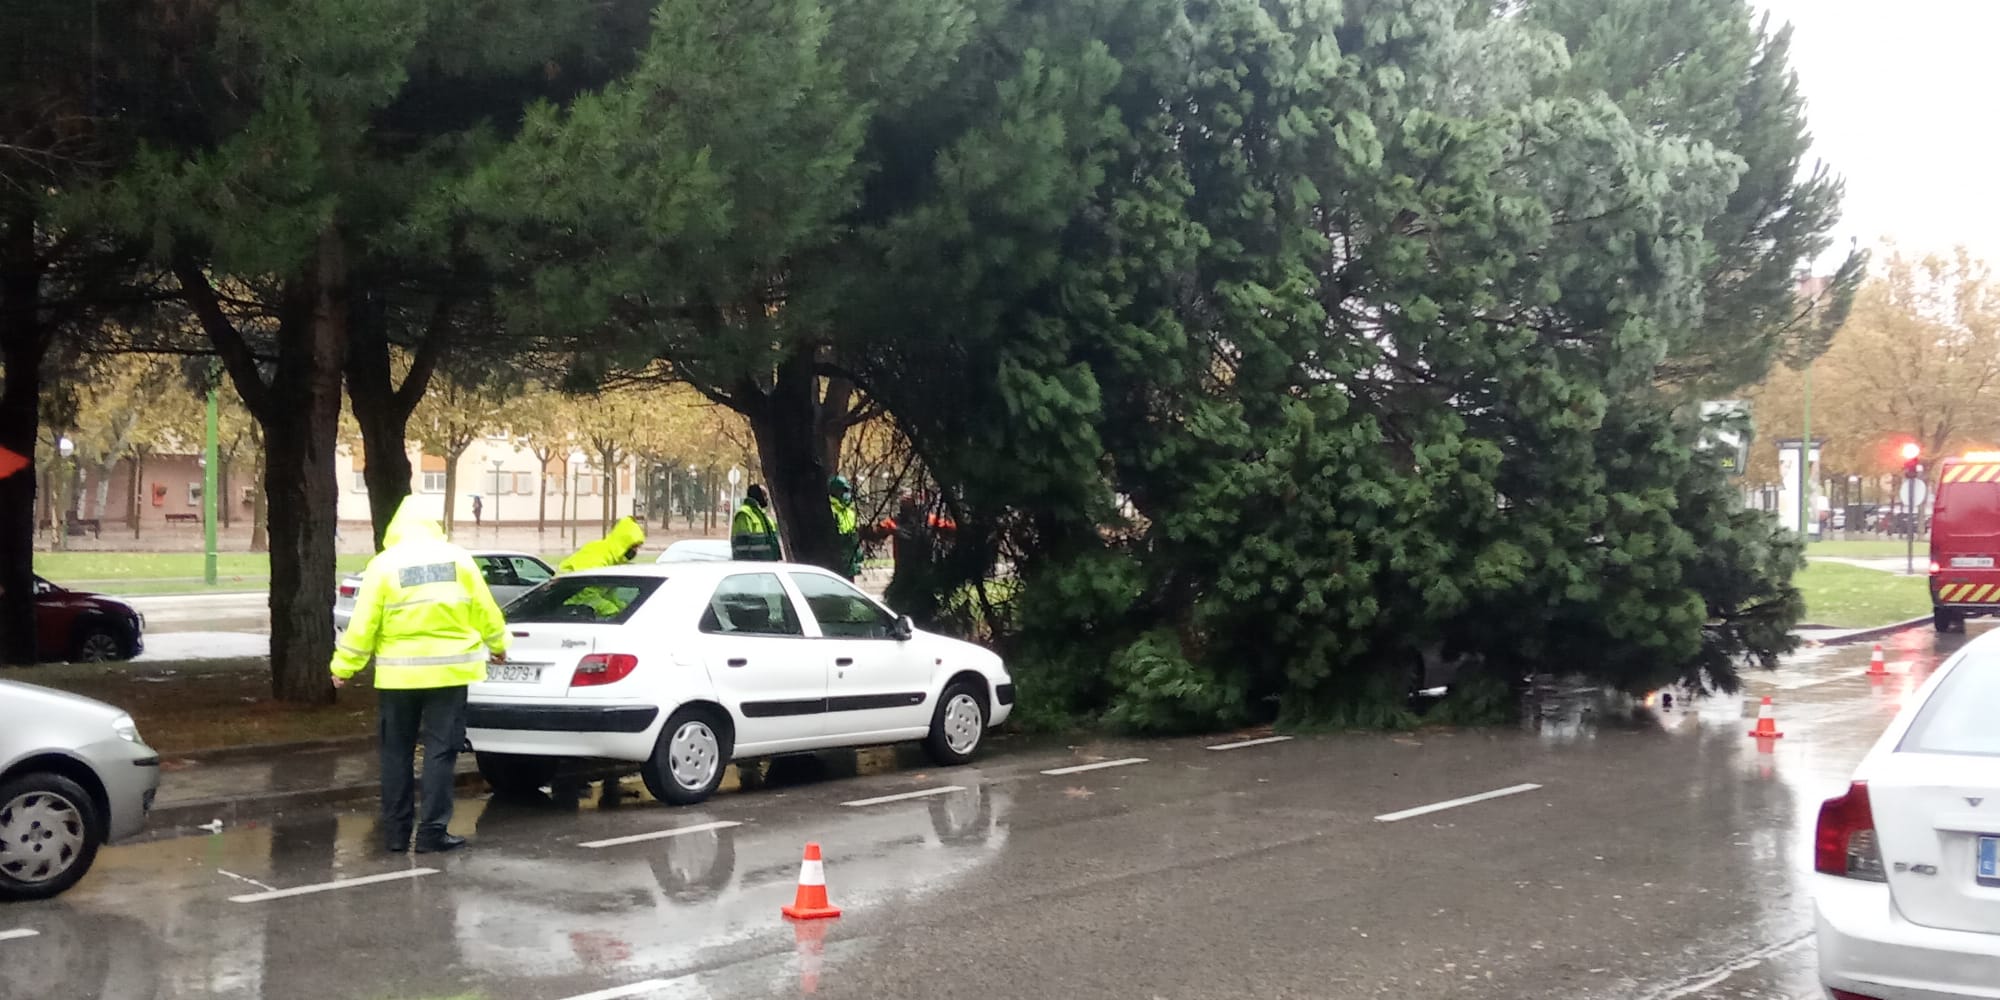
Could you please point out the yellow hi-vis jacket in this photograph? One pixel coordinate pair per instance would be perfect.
(610, 550)
(423, 612)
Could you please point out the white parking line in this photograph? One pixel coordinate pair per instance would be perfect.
(339, 883)
(1100, 765)
(662, 834)
(918, 794)
(18, 932)
(619, 992)
(1455, 803)
(1240, 744)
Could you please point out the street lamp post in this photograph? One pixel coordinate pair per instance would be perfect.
(497, 463)
(59, 510)
(211, 467)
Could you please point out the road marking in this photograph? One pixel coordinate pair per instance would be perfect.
(918, 794)
(244, 878)
(619, 992)
(662, 834)
(339, 883)
(18, 932)
(1454, 803)
(1240, 744)
(1100, 765)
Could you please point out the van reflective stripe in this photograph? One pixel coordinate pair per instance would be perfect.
(430, 661)
(1984, 593)
(1974, 472)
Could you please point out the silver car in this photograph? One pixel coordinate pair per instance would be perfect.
(508, 575)
(74, 774)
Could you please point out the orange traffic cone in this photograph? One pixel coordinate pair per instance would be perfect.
(810, 903)
(1767, 724)
(809, 937)
(1877, 666)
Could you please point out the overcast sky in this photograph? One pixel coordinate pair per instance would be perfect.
(1902, 103)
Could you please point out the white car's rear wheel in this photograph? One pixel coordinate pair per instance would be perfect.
(690, 758)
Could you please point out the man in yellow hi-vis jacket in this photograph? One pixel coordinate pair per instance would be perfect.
(619, 547)
(426, 617)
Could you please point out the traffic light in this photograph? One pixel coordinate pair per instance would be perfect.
(1912, 465)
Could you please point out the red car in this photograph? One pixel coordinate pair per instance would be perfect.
(76, 627)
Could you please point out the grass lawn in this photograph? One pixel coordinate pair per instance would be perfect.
(135, 573)
(1856, 597)
(206, 704)
(1871, 548)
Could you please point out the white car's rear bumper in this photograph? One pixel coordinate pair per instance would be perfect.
(1867, 948)
(542, 729)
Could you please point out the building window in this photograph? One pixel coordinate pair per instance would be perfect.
(194, 494)
(433, 482)
(524, 483)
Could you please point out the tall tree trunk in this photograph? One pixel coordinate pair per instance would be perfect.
(542, 487)
(260, 521)
(383, 408)
(785, 423)
(23, 345)
(101, 502)
(222, 504)
(451, 490)
(300, 435)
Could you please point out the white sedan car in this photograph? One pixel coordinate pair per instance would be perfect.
(1907, 884)
(508, 575)
(681, 668)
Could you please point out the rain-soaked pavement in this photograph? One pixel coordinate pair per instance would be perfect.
(1655, 858)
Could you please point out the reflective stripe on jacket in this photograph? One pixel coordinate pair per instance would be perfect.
(423, 613)
(753, 536)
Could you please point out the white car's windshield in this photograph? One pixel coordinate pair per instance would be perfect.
(608, 600)
(1958, 718)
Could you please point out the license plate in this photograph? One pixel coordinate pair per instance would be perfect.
(1988, 869)
(513, 673)
(1971, 562)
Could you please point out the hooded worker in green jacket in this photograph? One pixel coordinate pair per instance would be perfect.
(846, 526)
(425, 616)
(619, 547)
(753, 536)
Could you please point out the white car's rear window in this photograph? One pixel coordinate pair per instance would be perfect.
(1960, 716)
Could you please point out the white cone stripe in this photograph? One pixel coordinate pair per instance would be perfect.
(812, 873)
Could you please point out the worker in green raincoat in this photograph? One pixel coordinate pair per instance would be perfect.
(753, 536)
(618, 548)
(846, 526)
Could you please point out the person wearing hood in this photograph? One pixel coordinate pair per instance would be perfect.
(753, 536)
(846, 527)
(619, 547)
(424, 614)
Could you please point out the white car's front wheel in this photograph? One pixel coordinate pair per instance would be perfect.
(690, 758)
(959, 724)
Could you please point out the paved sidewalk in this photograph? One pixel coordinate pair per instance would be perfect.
(240, 787)
(1898, 565)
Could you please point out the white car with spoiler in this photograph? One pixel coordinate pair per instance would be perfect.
(1907, 884)
(680, 668)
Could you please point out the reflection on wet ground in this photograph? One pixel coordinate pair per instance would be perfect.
(1661, 857)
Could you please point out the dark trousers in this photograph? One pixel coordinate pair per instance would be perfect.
(438, 714)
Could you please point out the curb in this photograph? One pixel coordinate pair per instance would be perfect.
(1863, 635)
(181, 819)
(250, 750)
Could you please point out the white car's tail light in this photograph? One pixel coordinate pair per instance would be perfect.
(1845, 842)
(602, 668)
(348, 589)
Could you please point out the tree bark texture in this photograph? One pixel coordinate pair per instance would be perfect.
(24, 341)
(383, 408)
(790, 450)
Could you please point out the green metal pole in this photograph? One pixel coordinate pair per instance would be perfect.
(213, 458)
(1805, 463)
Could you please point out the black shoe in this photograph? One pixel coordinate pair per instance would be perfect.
(396, 847)
(440, 844)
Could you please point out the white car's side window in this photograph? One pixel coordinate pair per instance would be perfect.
(842, 611)
(751, 604)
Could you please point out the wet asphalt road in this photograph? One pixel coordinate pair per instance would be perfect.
(1660, 858)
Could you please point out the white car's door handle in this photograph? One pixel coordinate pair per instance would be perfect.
(739, 662)
(845, 661)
